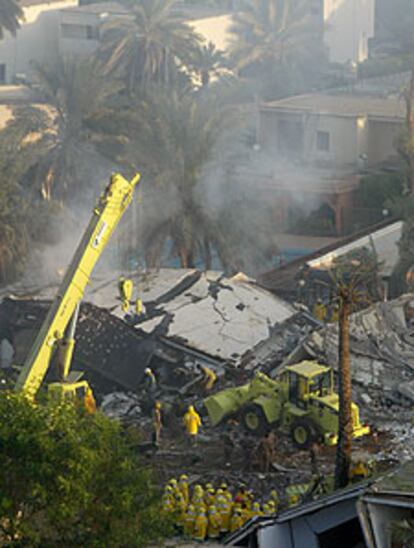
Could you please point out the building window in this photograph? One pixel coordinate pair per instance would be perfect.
(2, 73)
(79, 32)
(322, 141)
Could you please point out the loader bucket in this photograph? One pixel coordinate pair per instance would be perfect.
(226, 402)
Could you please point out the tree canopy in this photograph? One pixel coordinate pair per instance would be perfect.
(71, 479)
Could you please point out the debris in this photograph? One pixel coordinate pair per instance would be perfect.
(119, 405)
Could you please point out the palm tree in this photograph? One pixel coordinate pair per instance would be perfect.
(10, 16)
(345, 426)
(208, 62)
(352, 280)
(147, 47)
(74, 90)
(172, 138)
(269, 32)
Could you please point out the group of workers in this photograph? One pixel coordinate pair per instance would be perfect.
(207, 512)
(326, 313)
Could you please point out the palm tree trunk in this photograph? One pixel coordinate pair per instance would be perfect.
(344, 448)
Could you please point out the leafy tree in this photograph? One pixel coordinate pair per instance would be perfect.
(10, 16)
(71, 479)
(377, 191)
(147, 48)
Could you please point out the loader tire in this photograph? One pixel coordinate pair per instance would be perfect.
(302, 434)
(254, 420)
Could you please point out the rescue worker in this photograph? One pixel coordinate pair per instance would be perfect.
(245, 513)
(266, 510)
(224, 509)
(256, 511)
(209, 497)
(139, 308)
(174, 485)
(241, 496)
(267, 452)
(274, 497)
(125, 287)
(320, 311)
(200, 526)
(150, 384)
(198, 494)
(167, 501)
(314, 451)
(89, 402)
(214, 523)
(236, 520)
(209, 377)
(183, 487)
(180, 508)
(189, 519)
(228, 444)
(157, 423)
(334, 314)
(272, 507)
(192, 423)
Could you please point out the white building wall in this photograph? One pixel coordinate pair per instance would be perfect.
(349, 24)
(36, 40)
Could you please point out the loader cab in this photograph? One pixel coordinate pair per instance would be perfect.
(308, 379)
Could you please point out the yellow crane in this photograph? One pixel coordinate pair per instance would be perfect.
(58, 329)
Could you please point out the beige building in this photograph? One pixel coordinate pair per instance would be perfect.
(316, 145)
(52, 29)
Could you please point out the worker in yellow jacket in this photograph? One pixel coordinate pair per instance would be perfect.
(192, 423)
(214, 523)
(236, 520)
(189, 520)
(183, 487)
(200, 526)
(209, 377)
(320, 311)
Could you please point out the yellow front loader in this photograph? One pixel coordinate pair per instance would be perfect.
(58, 329)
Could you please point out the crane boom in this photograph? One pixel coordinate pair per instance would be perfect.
(105, 217)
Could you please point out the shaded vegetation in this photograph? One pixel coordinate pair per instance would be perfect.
(71, 479)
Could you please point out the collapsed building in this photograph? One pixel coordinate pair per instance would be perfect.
(191, 318)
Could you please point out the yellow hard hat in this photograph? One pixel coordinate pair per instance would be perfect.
(223, 485)
(183, 477)
(191, 408)
(158, 405)
(256, 505)
(173, 482)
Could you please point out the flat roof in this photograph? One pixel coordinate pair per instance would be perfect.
(342, 104)
(308, 368)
